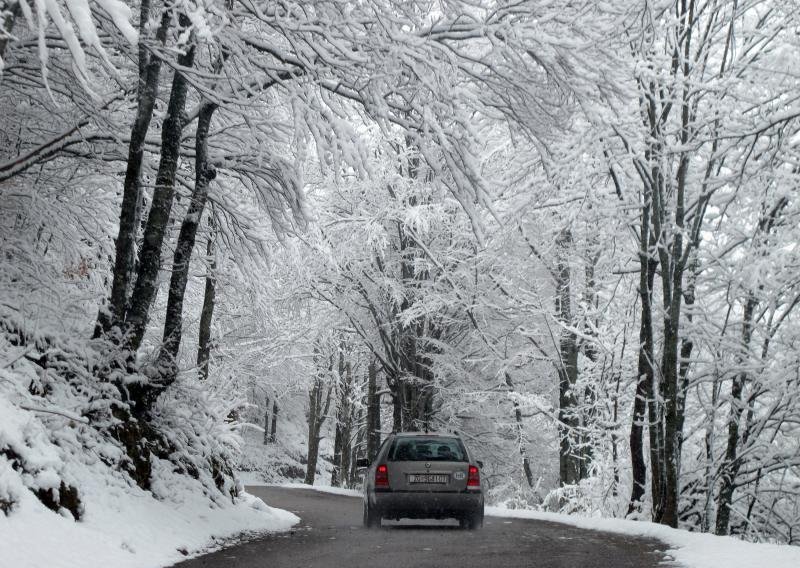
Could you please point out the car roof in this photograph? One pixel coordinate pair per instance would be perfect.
(426, 434)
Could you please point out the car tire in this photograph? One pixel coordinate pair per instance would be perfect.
(474, 521)
(372, 520)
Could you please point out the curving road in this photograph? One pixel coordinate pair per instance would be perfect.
(330, 535)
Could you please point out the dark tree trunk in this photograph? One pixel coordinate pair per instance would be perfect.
(266, 421)
(163, 196)
(209, 296)
(526, 464)
(373, 412)
(318, 406)
(204, 173)
(397, 409)
(341, 444)
(337, 439)
(569, 424)
(273, 434)
(130, 212)
(644, 371)
(730, 466)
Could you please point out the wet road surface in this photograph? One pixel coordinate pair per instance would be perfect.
(330, 535)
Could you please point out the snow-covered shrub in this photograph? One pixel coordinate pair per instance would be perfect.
(57, 419)
(203, 443)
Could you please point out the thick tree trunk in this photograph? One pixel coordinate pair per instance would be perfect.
(163, 196)
(209, 297)
(204, 173)
(130, 212)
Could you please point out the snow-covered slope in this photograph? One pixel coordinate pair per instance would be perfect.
(68, 498)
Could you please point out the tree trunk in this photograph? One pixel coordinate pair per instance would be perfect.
(730, 466)
(209, 296)
(644, 370)
(397, 409)
(373, 412)
(317, 412)
(266, 421)
(273, 435)
(163, 195)
(204, 173)
(341, 444)
(130, 212)
(526, 464)
(569, 460)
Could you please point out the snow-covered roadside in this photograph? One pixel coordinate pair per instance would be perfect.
(321, 489)
(125, 527)
(691, 550)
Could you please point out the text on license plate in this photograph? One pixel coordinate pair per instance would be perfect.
(427, 478)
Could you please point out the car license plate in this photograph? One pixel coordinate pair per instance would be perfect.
(428, 478)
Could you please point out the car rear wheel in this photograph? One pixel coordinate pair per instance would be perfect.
(472, 522)
(371, 519)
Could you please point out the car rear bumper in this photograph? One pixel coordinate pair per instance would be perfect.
(426, 504)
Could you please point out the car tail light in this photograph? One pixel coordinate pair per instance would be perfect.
(473, 477)
(382, 476)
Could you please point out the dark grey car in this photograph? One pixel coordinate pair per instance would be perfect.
(423, 476)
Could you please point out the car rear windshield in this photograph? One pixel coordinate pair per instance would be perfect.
(427, 449)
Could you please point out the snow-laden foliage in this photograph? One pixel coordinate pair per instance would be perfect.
(566, 230)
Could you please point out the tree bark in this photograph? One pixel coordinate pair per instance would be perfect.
(644, 370)
(266, 421)
(373, 412)
(317, 413)
(130, 212)
(204, 173)
(209, 296)
(163, 196)
(273, 434)
(341, 444)
(730, 466)
(569, 459)
(526, 463)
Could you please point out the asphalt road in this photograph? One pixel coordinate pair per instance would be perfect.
(330, 535)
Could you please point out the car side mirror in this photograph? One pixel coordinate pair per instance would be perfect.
(362, 462)
(480, 464)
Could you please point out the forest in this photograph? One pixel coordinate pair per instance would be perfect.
(567, 230)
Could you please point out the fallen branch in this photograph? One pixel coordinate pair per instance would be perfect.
(57, 412)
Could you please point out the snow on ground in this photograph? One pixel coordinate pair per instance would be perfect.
(322, 489)
(125, 527)
(689, 549)
(47, 444)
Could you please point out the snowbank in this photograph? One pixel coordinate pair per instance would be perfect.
(67, 497)
(121, 525)
(128, 528)
(689, 549)
(322, 489)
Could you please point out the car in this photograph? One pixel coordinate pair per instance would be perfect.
(419, 475)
